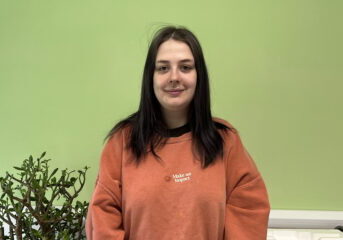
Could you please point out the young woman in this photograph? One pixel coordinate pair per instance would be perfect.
(170, 171)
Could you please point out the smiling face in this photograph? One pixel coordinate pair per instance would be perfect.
(175, 76)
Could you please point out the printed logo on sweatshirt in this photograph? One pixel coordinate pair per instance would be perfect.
(182, 177)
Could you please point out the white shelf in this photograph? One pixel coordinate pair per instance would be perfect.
(305, 219)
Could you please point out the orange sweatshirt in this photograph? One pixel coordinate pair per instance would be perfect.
(178, 200)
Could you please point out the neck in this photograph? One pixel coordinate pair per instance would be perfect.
(175, 119)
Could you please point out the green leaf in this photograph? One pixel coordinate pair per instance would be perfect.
(43, 154)
(33, 199)
(53, 180)
(72, 180)
(19, 168)
(78, 204)
(53, 172)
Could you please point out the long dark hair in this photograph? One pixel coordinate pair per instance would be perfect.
(146, 125)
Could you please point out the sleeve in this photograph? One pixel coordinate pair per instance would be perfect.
(104, 217)
(247, 205)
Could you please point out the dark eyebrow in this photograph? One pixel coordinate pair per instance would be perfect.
(183, 60)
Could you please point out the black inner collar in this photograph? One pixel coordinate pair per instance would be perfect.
(176, 132)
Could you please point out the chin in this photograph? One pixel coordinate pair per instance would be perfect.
(175, 107)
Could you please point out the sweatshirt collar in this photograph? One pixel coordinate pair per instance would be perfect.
(176, 132)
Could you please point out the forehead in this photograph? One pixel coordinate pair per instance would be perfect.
(173, 50)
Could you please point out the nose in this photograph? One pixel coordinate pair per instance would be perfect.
(174, 76)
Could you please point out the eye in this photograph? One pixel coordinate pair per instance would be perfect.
(162, 68)
(186, 68)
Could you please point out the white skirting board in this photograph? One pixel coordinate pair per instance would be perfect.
(305, 219)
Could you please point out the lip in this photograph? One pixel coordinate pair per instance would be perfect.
(175, 92)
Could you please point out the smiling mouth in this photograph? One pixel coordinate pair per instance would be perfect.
(174, 92)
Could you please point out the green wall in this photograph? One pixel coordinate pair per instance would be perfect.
(70, 69)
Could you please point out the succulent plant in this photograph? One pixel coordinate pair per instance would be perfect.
(28, 202)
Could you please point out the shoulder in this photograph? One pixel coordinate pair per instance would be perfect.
(228, 132)
(224, 124)
(120, 135)
(122, 129)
